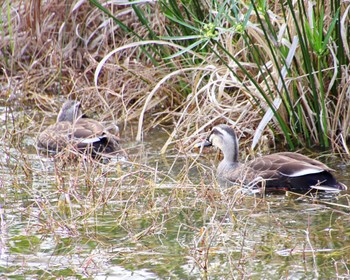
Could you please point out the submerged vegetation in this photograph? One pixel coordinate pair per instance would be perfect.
(166, 72)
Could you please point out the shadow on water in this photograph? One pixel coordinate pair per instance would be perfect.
(155, 217)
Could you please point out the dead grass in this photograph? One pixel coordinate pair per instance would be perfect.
(72, 50)
(150, 210)
(52, 51)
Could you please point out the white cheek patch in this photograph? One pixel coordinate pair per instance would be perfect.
(217, 142)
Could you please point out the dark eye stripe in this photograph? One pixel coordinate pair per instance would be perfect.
(215, 131)
(229, 131)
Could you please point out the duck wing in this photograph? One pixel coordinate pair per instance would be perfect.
(301, 158)
(91, 133)
(87, 129)
(82, 133)
(287, 164)
(294, 172)
(55, 137)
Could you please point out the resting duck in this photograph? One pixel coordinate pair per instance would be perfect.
(83, 134)
(285, 171)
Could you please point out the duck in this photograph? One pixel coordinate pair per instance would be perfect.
(73, 130)
(283, 171)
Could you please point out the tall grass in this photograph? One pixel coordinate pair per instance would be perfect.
(294, 50)
(184, 66)
(274, 71)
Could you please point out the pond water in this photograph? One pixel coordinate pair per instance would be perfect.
(155, 217)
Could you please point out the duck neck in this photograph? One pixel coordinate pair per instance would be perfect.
(231, 156)
(70, 115)
(231, 151)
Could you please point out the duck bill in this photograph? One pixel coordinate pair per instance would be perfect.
(203, 144)
(206, 143)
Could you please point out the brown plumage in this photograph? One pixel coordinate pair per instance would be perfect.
(74, 131)
(285, 171)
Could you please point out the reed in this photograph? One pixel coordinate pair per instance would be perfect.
(278, 59)
(276, 70)
(278, 73)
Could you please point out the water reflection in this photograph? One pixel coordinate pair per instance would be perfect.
(156, 217)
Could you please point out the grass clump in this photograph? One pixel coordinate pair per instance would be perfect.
(273, 58)
(271, 69)
(279, 73)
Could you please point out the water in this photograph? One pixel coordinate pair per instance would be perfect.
(155, 217)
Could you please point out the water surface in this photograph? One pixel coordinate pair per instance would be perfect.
(155, 217)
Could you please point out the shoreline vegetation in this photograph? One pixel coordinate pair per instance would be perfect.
(280, 73)
(166, 72)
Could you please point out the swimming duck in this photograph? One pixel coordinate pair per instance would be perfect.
(75, 131)
(285, 171)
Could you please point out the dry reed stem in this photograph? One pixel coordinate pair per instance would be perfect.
(128, 89)
(56, 57)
